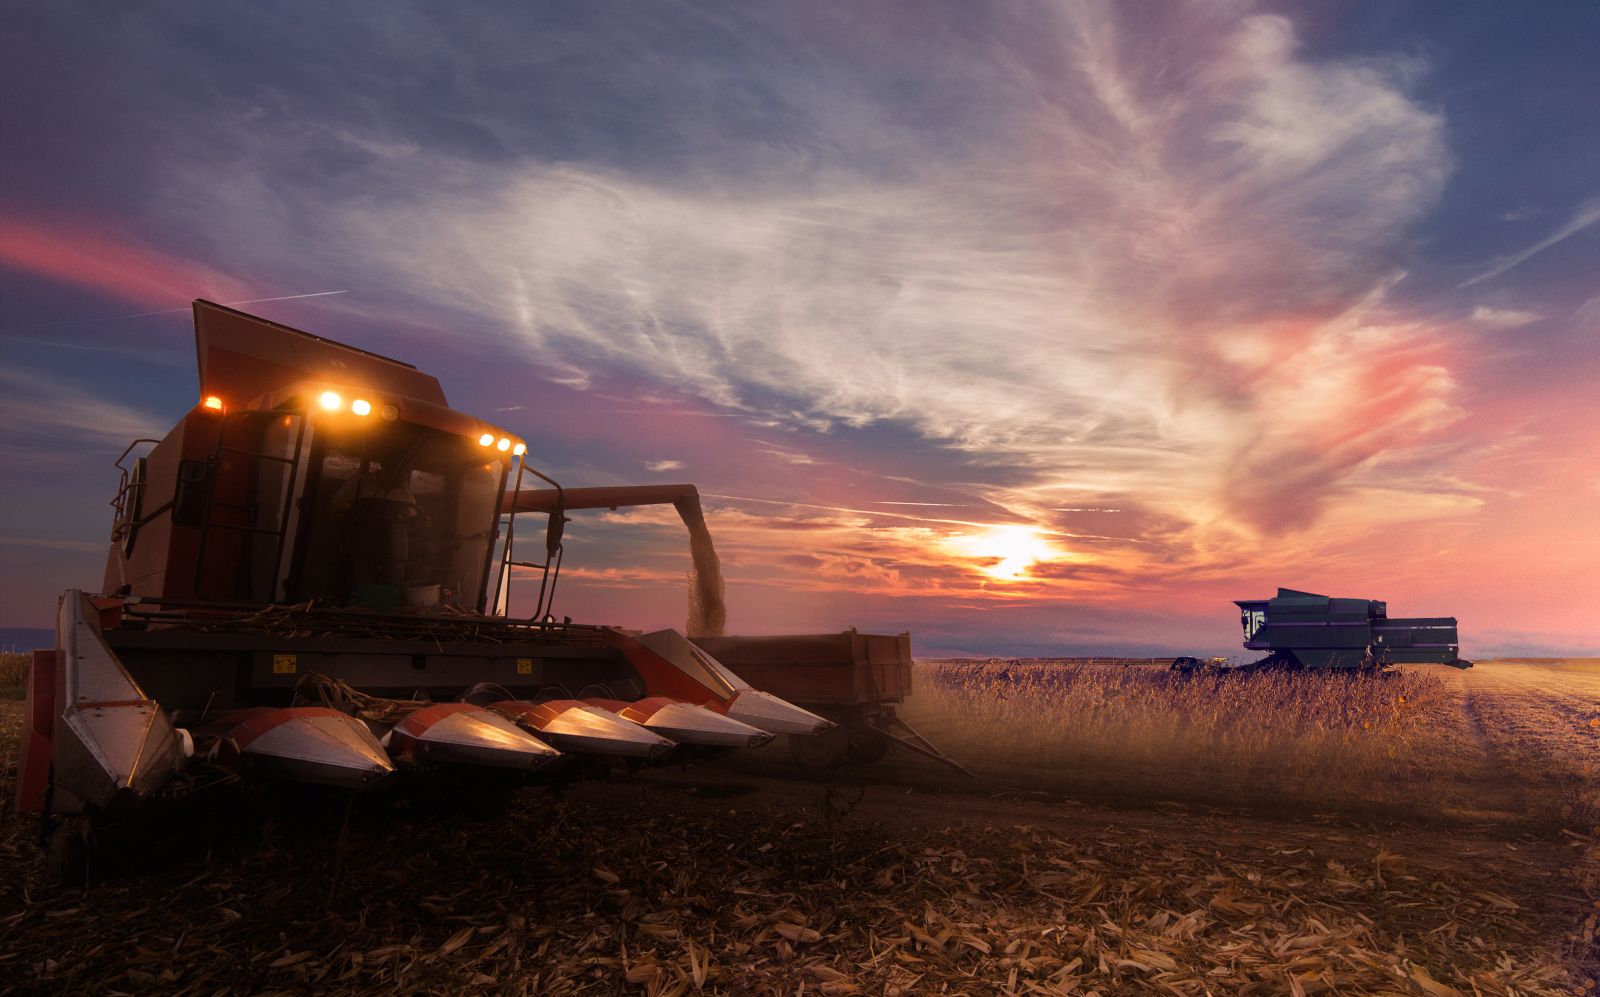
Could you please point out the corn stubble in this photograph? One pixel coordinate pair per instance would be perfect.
(666, 888)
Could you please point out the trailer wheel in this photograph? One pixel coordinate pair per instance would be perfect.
(820, 751)
(867, 744)
(68, 851)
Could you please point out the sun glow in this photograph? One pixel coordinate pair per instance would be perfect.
(1009, 551)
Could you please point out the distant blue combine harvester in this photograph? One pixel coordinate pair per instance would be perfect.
(1306, 630)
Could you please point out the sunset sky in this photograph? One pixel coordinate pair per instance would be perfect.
(1027, 327)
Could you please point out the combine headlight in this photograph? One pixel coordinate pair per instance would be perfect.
(504, 444)
(485, 439)
(212, 402)
(331, 401)
(389, 412)
(519, 449)
(361, 407)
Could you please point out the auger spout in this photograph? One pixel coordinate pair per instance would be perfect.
(708, 613)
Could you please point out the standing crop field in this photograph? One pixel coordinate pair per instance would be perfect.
(1410, 741)
(13, 673)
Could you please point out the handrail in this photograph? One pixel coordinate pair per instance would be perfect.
(286, 500)
(551, 566)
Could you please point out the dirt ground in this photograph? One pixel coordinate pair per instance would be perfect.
(751, 876)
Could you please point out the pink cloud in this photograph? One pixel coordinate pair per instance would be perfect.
(86, 256)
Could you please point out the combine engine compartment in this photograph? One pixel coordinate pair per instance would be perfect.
(307, 582)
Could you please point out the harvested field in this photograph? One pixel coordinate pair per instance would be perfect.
(1075, 864)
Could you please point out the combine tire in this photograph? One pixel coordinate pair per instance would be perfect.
(820, 751)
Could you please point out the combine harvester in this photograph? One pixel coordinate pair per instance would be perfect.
(307, 584)
(1306, 630)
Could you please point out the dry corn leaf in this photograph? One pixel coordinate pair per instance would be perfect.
(699, 964)
(1430, 985)
(1499, 900)
(1150, 957)
(1226, 903)
(663, 932)
(455, 941)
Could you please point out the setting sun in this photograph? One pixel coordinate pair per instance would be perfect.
(1012, 549)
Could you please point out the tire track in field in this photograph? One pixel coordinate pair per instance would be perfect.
(1531, 721)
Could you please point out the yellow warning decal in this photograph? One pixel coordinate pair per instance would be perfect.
(524, 666)
(284, 664)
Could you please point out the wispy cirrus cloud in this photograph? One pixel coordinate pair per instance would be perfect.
(1583, 217)
(1163, 282)
(1164, 286)
(38, 407)
(1504, 318)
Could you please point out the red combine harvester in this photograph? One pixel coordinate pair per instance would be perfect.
(307, 584)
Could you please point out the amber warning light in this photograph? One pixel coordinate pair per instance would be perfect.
(212, 402)
(502, 443)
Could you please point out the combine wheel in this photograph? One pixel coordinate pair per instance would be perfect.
(820, 751)
(867, 743)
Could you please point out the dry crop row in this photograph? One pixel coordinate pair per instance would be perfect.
(1319, 738)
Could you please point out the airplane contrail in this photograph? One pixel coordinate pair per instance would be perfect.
(168, 311)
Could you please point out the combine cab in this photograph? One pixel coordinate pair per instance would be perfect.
(1306, 630)
(307, 583)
